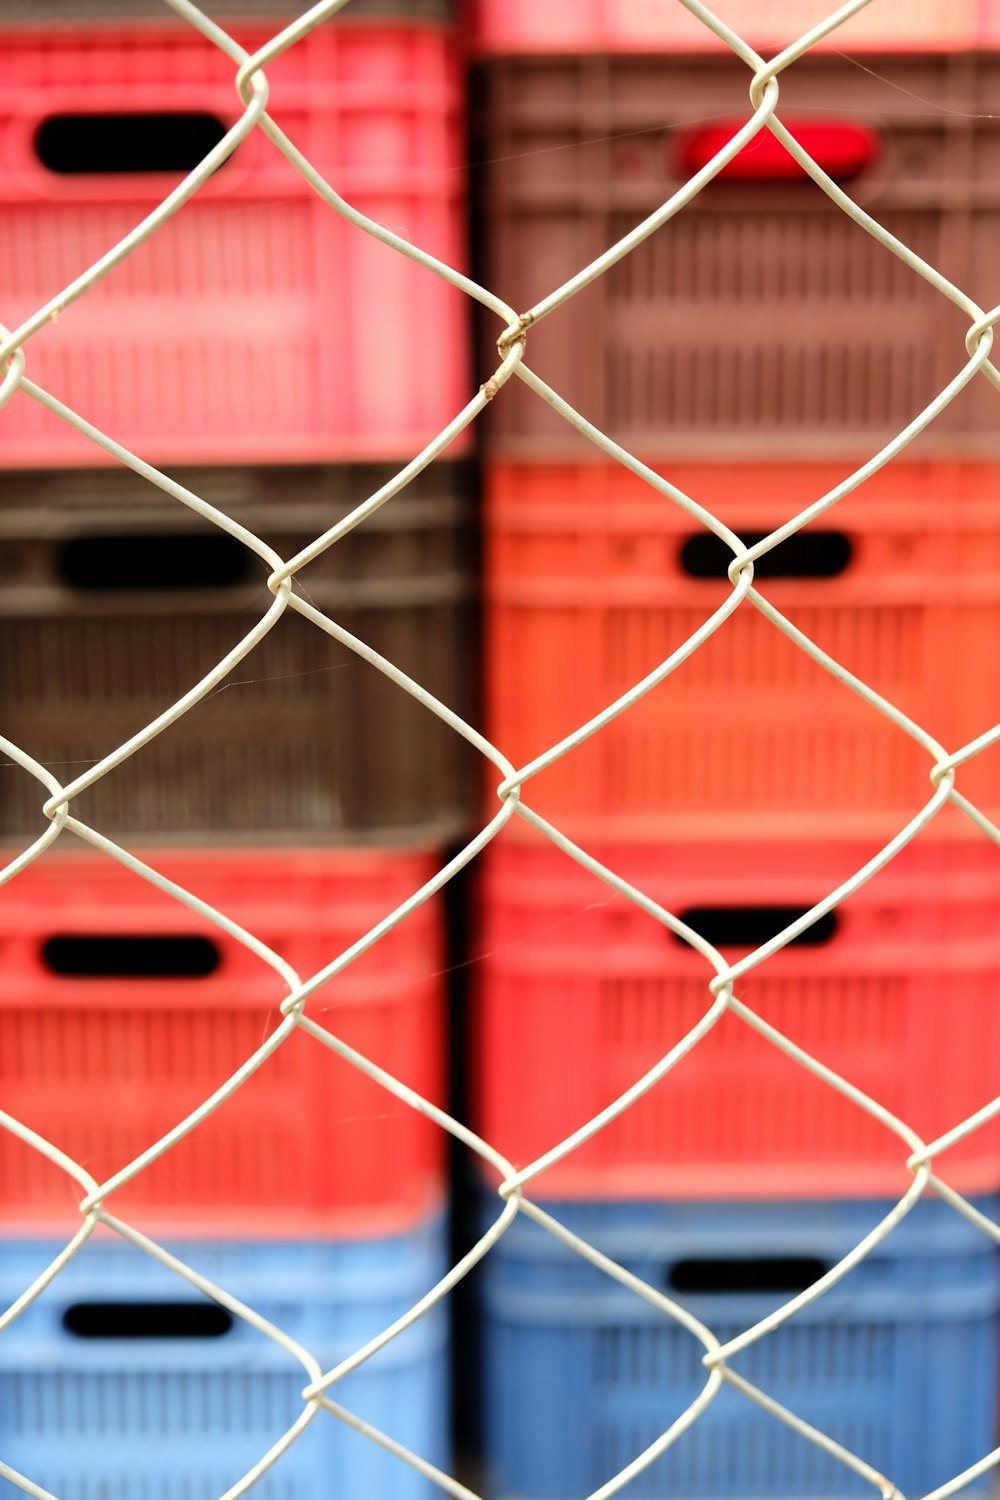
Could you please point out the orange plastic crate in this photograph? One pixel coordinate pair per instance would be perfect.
(103, 1048)
(581, 993)
(590, 587)
(256, 325)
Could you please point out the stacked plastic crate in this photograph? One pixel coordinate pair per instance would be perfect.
(270, 358)
(755, 351)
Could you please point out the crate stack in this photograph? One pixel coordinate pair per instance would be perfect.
(755, 351)
(271, 359)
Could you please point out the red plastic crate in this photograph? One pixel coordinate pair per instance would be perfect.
(520, 26)
(257, 325)
(588, 579)
(580, 993)
(103, 1064)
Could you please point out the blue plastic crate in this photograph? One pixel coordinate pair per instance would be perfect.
(898, 1363)
(91, 1411)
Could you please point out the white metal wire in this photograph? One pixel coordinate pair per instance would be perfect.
(56, 818)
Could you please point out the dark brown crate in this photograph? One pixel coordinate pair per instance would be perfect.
(116, 600)
(224, 11)
(760, 313)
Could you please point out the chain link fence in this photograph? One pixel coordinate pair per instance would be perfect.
(926, 1160)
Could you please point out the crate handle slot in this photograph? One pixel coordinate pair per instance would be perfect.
(843, 148)
(119, 563)
(745, 1275)
(109, 956)
(147, 1320)
(749, 926)
(113, 145)
(807, 554)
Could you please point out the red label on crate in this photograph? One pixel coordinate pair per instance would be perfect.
(843, 150)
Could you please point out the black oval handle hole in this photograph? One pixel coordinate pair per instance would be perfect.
(807, 554)
(112, 144)
(163, 956)
(147, 1320)
(106, 564)
(749, 926)
(773, 1273)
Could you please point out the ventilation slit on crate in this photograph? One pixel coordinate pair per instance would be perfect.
(147, 1320)
(77, 145)
(147, 560)
(156, 956)
(750, 926)
(807, 554)
(745, 1276)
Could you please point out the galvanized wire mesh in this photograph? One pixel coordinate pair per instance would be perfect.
(57, 820)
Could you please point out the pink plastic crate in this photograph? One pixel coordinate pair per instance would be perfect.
(524, 26)
(257, 325)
